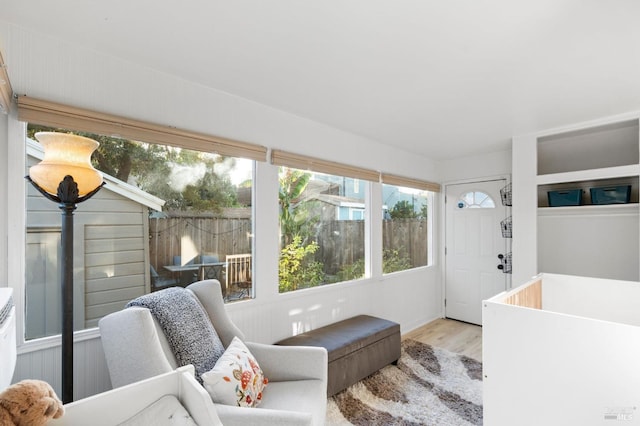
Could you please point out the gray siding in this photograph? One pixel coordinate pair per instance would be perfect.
(110, 251)
(114, 273)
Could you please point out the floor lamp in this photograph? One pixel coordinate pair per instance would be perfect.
(66, 176)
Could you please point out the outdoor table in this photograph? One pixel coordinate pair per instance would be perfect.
(211, 270)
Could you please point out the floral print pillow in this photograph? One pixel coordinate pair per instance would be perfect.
(236, 379)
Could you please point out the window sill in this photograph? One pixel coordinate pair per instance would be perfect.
(54, 341)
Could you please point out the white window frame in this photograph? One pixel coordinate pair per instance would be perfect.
(17, 230)
(368, 238)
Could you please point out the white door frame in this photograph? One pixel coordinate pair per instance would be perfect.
(443, 232)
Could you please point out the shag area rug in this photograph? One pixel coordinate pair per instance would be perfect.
(429, 386)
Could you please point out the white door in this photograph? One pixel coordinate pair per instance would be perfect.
(474, 243)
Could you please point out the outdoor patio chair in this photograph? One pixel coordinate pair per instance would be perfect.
(210, 272)
(159, 282)
(239, 275)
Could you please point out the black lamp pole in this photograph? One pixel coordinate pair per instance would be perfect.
(67, 200)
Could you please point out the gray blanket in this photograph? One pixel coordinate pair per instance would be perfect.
(191, 336)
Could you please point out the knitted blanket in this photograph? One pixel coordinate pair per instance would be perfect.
(188, 329)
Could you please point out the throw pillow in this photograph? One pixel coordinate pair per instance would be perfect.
(236, 379)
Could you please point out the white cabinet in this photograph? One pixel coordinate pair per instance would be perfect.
(594, 240)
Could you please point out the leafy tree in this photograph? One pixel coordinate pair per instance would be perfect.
(151, 167)
(296, 215)
(297, 267)
(403, 210)
(424, 210)
(115, 156)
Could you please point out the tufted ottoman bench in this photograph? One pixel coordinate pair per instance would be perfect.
(357, 347)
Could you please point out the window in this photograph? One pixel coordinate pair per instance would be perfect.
(322, 229)
(476, 200)
(167, 216)
(404, 228)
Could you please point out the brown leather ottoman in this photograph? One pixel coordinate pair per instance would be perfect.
(357, 347)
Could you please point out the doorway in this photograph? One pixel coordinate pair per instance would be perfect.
(476, 246)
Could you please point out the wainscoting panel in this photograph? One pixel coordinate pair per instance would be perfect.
(91, 374)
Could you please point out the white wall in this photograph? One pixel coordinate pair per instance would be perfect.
(45, 68)
(477, 166)
(525, 208)
(3, 201)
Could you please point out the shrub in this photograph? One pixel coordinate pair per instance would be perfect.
(392, 261)
(297, 269)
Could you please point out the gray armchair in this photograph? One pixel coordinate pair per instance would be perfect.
(136, 348)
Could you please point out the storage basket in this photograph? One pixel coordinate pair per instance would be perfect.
(565, 197)
(505, 263)
(610, 194)
(505, 225)
(505, 195)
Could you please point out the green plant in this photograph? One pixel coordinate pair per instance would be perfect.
(393, 261)
(298, 216)
(352, 271)
(403, 210)
(297, 269)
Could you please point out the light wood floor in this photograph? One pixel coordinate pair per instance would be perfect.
(454, 336)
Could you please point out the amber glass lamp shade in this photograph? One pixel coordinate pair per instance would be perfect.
(66, 154)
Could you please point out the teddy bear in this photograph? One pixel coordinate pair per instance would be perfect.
(29, 403)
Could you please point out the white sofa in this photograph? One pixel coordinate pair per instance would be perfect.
(136, 349)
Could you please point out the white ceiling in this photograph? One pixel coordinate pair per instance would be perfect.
(441, 78)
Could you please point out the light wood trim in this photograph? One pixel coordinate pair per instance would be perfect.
(6, 93)
(302, 162)
(58, 115)
(528, 297)
(410, 182)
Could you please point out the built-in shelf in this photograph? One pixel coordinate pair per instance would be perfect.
(606, 209)
(585, 186)
(602, 153)
(599, 156)
(588, 175)
(601, 147)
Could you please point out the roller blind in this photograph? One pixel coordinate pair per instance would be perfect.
(5, 88)
(52, 114)
(297, 161)
(409, 182)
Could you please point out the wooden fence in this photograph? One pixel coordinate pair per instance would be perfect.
(193, 236)
(341, 241)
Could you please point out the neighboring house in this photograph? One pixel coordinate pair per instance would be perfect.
(346, 194)
(342, 208)
(111, 253)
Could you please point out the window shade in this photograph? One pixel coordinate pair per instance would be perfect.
(288, 159)
(5, 88)
(410, 183)
(58, 115)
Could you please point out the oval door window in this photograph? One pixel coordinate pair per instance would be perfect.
(476, 200)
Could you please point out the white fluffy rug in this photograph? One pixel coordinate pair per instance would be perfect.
(429, 386)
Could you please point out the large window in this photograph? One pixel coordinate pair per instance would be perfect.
(321, 228)
(405, 238)
(167, 216)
